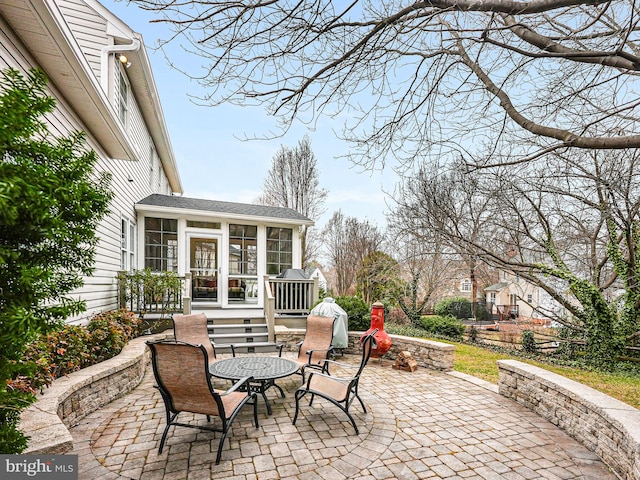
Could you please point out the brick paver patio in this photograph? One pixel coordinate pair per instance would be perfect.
(419, 425)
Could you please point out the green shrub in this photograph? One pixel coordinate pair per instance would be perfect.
(445, 326)
(52, 199)
(358, 311)
(458, 307)
(406, 330)
(58, 353)
(74, 347)
(529, 342)
(110, 332)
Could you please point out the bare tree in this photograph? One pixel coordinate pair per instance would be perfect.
(568, 224)
(348, 242)
(423, 270)
(378, 277)
(293, 181)
(518, 78)
(443, 207)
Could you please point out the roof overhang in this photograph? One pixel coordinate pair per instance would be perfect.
(187, 212)
(41, 27)
(144, 89)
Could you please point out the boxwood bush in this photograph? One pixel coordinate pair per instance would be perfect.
(458, 307)
(358, 311)
(446, 326)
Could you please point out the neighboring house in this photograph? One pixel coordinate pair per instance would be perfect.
(514, 298)
(315, 272)
(100, 76)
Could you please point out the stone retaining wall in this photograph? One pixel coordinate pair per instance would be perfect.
(71, 398)
(429, 354)
(606, 426)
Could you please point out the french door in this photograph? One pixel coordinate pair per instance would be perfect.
(204, 258)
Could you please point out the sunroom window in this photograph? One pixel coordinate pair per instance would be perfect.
(279, 249)
(243, 250)
(161, 244)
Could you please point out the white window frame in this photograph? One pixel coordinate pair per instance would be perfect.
(127, 244)
(465, 285)
(123, 96)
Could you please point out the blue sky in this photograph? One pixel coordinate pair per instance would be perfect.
(215, 163)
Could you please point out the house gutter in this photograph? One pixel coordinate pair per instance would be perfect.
(104, 60)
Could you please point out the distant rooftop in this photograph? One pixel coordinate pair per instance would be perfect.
(496, 287)
(226, 209)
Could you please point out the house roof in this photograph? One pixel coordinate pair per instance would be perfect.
(248, 211)
(496, 287)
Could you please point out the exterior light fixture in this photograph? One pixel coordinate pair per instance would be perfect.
(122, 58)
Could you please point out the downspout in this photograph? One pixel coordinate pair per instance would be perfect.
(134, 46)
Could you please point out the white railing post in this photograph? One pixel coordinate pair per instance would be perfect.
(269, 309)
(186, 295)
(316, 293)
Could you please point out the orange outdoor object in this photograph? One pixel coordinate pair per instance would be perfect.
(382, 338)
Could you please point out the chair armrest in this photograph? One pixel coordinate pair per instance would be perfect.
(240, 383)
(279, 346)
(341, 364)
(226, 345)
(311, 365)
(320, 350)
(310, 352)
(329, 377)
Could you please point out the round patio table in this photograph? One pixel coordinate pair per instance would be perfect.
(264, 370)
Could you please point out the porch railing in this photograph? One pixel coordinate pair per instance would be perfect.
(289, 297)
(507, 312)
(294, 296)
(148, 294)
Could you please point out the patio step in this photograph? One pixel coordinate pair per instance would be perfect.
(250, 336)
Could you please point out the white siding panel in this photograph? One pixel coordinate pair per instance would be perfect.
(89, 29)
(130, 180)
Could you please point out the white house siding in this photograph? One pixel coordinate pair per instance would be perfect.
(89, 29)
(130, 179)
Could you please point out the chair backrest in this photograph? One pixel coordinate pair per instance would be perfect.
(368, 344)
(318, 338)
(181, 371)
(193, 329)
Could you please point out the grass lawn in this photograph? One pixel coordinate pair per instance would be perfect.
(481, 363)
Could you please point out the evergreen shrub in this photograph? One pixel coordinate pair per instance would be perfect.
(458, 307)
(446, 326)
(75, 347)
(358, 311)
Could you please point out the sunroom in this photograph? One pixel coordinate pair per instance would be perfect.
(223, 249)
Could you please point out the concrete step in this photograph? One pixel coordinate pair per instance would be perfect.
(237, 329)
(240, 338)
(253, 347)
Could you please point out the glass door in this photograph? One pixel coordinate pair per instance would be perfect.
(203, 264)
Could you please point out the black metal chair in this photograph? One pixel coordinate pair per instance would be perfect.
(181, 371)
(339, 391)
